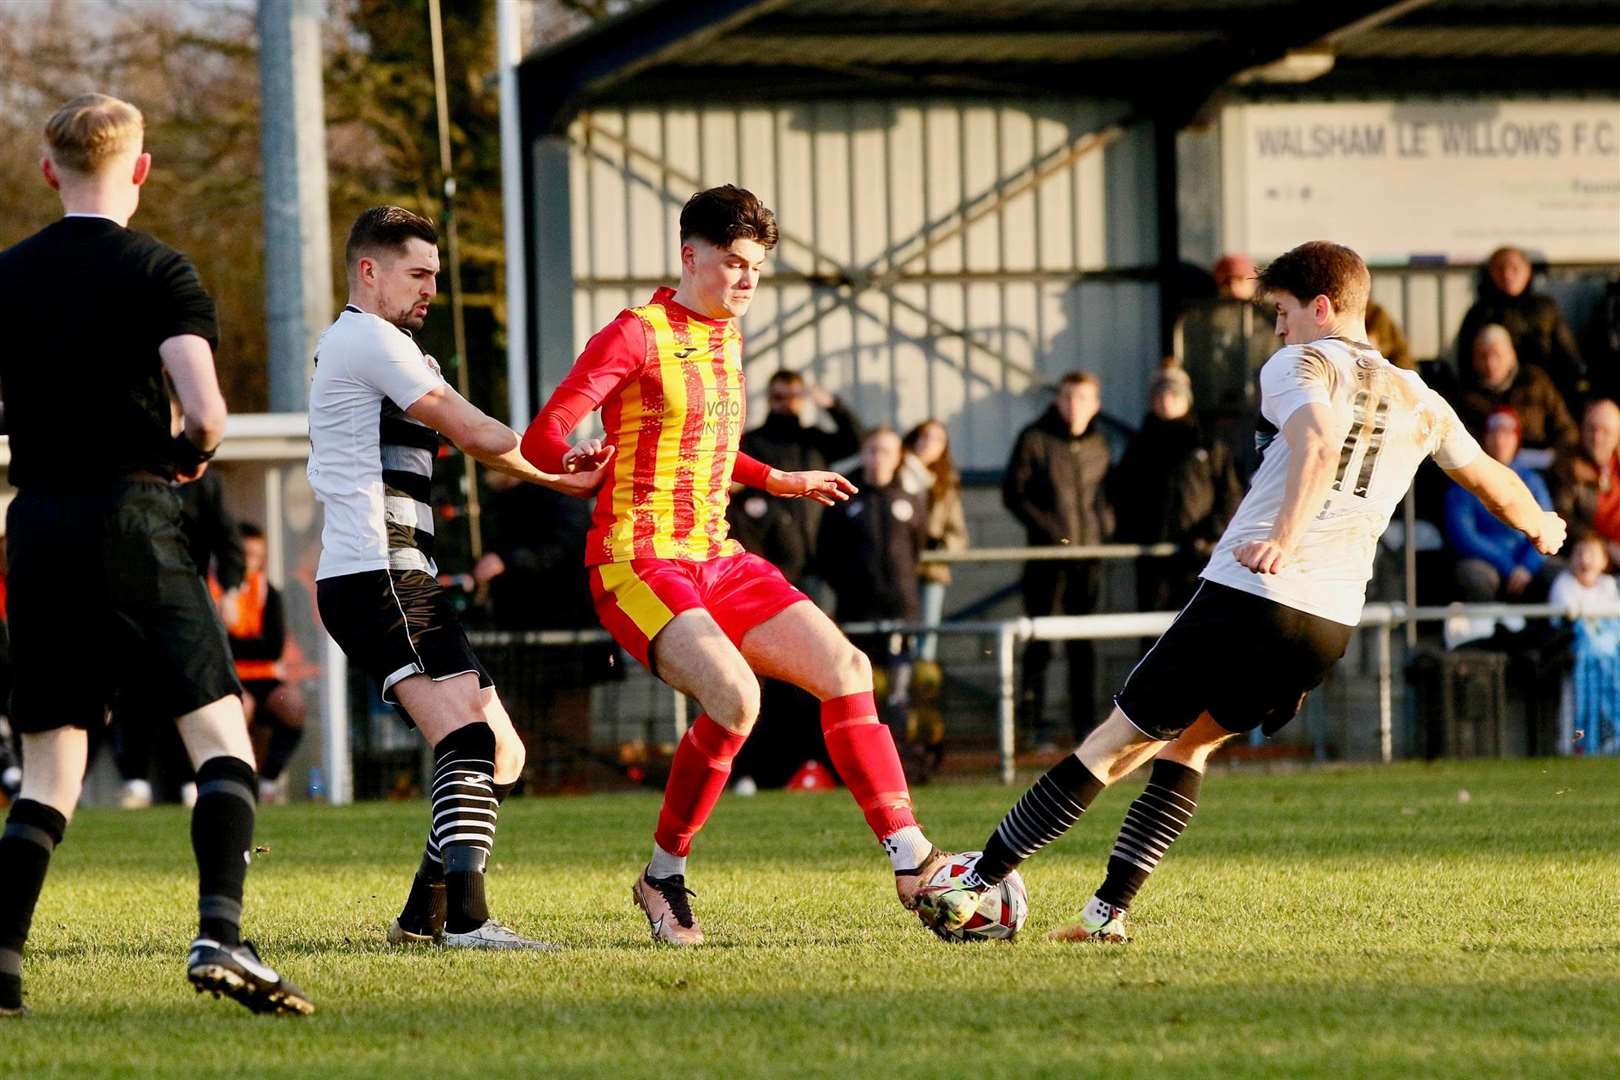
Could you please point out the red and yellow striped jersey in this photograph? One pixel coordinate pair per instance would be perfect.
(670, 386)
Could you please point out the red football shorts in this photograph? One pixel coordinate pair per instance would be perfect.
(637, 599)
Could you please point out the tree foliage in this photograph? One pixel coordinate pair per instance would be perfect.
(192, 68)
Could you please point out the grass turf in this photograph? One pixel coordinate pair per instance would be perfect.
(1342, 922)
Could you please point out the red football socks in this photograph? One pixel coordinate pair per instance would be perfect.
(697, 776)
(862, 750)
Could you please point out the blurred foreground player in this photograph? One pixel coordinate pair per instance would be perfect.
(377, 407)
(669, 583)
(1281, 595)
(98, 563)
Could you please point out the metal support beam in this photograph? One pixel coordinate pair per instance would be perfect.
(617, 49)
(514, 211)
(297, 230)
(1167, 219)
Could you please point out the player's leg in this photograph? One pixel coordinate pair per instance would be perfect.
(692, 654)
(1152, 823)
(1162, 697)
(801, 645)
(173, 647)
(456, 717)
(423, 917)
(283, 711)
(53, 774)
(222, 821)
(1283, 653)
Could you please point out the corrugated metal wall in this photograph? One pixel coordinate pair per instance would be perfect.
(944, 259)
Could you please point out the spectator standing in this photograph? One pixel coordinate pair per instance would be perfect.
(1541, 337)
(871, 542)
(1056, 486)
(1495, 561)
(1173, 485)
(783, 531)
(1496, 379)
(785, 441)
(928, 469)
(869, 547)
(1589, 721)
(1586, 477)
(1223, 341)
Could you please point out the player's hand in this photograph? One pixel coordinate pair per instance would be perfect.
(185, 476)
(826, 488)
(230, 603)
(1261, 556)
(1551, 536)
(587, 456)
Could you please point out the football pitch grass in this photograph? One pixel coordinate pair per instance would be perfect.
(1342, 922)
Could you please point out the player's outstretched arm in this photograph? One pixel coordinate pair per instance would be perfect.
(824, 487)
(1506, 496)
(1314, 437)
(490, 442)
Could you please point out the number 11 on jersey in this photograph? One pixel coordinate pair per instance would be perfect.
(1367, 440)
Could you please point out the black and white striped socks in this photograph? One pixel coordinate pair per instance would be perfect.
(463, 830)
(1151, 825)
(1046, 811)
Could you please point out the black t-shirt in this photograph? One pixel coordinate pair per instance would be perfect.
(86, 303)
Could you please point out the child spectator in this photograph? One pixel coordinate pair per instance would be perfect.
(1589, 722)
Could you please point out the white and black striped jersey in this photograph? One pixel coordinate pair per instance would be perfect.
(1394, 422)
(370, 464)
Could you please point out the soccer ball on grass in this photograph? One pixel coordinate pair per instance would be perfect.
(1001, 912)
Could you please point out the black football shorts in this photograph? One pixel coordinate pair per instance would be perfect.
(1245, 660)
(102, 596)
(394, 624)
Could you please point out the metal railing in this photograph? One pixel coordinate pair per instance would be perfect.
(1009, 634)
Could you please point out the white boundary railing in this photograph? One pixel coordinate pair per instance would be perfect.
(1009, 634)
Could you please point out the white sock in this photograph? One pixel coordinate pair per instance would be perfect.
(1097, 912)
(907, 848)
(664, 864)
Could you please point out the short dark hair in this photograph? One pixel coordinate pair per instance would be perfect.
(385, 227)
(1321, 268)
(250, 531)
(785, 376)
(726, 213)
(1078, 378)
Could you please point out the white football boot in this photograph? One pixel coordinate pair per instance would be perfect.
(1098, 922)
(494, 935)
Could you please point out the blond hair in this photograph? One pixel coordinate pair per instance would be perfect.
(91, 130)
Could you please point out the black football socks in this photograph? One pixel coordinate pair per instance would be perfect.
(1047, 810)
(464, 806)
(32, 832)
(1151, 825)
(222, 840)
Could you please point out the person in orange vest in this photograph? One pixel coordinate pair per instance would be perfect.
(256, 623)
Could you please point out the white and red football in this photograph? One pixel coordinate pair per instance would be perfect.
(1002, 910)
